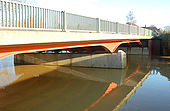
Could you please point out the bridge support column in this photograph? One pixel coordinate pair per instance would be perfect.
(100, 60)
(107, 60)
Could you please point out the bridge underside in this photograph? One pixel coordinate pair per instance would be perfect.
(25, 41)
(109, 45)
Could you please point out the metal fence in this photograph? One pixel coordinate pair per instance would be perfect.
(13, 14)
(123, 28)
(107, 26)
(24, 16)
(142, 31)
(134, 30)
(78, 22)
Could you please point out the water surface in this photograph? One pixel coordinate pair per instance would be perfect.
(143, 86)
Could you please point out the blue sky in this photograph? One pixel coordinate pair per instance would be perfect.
(147, 12)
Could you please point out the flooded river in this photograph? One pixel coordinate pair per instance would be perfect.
(143, 86)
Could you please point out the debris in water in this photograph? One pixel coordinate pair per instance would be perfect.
(36, 75)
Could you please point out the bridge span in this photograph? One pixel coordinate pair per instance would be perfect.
(25, 28)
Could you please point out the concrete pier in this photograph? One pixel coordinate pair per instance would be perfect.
(106, 60)
(165, 44)
(135, 50)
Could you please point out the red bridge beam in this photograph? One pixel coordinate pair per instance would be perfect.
(8, 50)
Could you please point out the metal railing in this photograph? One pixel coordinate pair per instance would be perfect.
(78, 22)
(123, 28)
(142, 31)
(18, 15)
(134, 30)
(23, 16)
(107, 26)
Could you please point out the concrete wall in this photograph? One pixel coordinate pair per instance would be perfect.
(165, 45)
(81, 60)
(135, 50)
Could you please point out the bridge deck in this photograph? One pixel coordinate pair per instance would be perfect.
(16, 37)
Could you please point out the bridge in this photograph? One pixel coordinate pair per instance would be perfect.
(25, 28)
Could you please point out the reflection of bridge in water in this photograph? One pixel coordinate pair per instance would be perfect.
(77, 88)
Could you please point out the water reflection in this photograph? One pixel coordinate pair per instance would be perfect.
(153, 95)
(74, 89)
(7, 71)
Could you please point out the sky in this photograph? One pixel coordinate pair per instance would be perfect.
(146, 12)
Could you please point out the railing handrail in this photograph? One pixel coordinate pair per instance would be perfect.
(25, 16)
(26, 4)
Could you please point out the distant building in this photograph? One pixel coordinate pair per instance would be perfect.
(133, 24)
(156, 31)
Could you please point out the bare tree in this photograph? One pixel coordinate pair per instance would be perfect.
(131, 17)
(167, 29)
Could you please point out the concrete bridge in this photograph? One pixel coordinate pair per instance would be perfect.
(25, 28)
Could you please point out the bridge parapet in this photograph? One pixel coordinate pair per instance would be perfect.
(14, 15)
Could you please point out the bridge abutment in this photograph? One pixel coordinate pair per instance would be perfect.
(107, 60)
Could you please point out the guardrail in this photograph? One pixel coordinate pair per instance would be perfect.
(18, 15)
(24, 16)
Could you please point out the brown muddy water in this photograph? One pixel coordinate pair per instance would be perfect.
(143, 86)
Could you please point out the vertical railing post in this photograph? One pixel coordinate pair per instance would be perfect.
(46, 18)
(20, 19)
(52, 19)
(43, 18)
(3, 17)
(39, 18)
(98, 25)
(138, 30)
(60, 23)
(55, 19)
(6, 6)
(117, 27)
(22, 8)
(129, 29)
(147, 34)
(151, 33)
(64, 24)
(34, 17)
(29, 17)
(47, 22)
(13, 14)
(26, 26)
(17, 15)
(23, 16)
(108, 26)
(10, 15)
(144, 31)
(31, 22)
